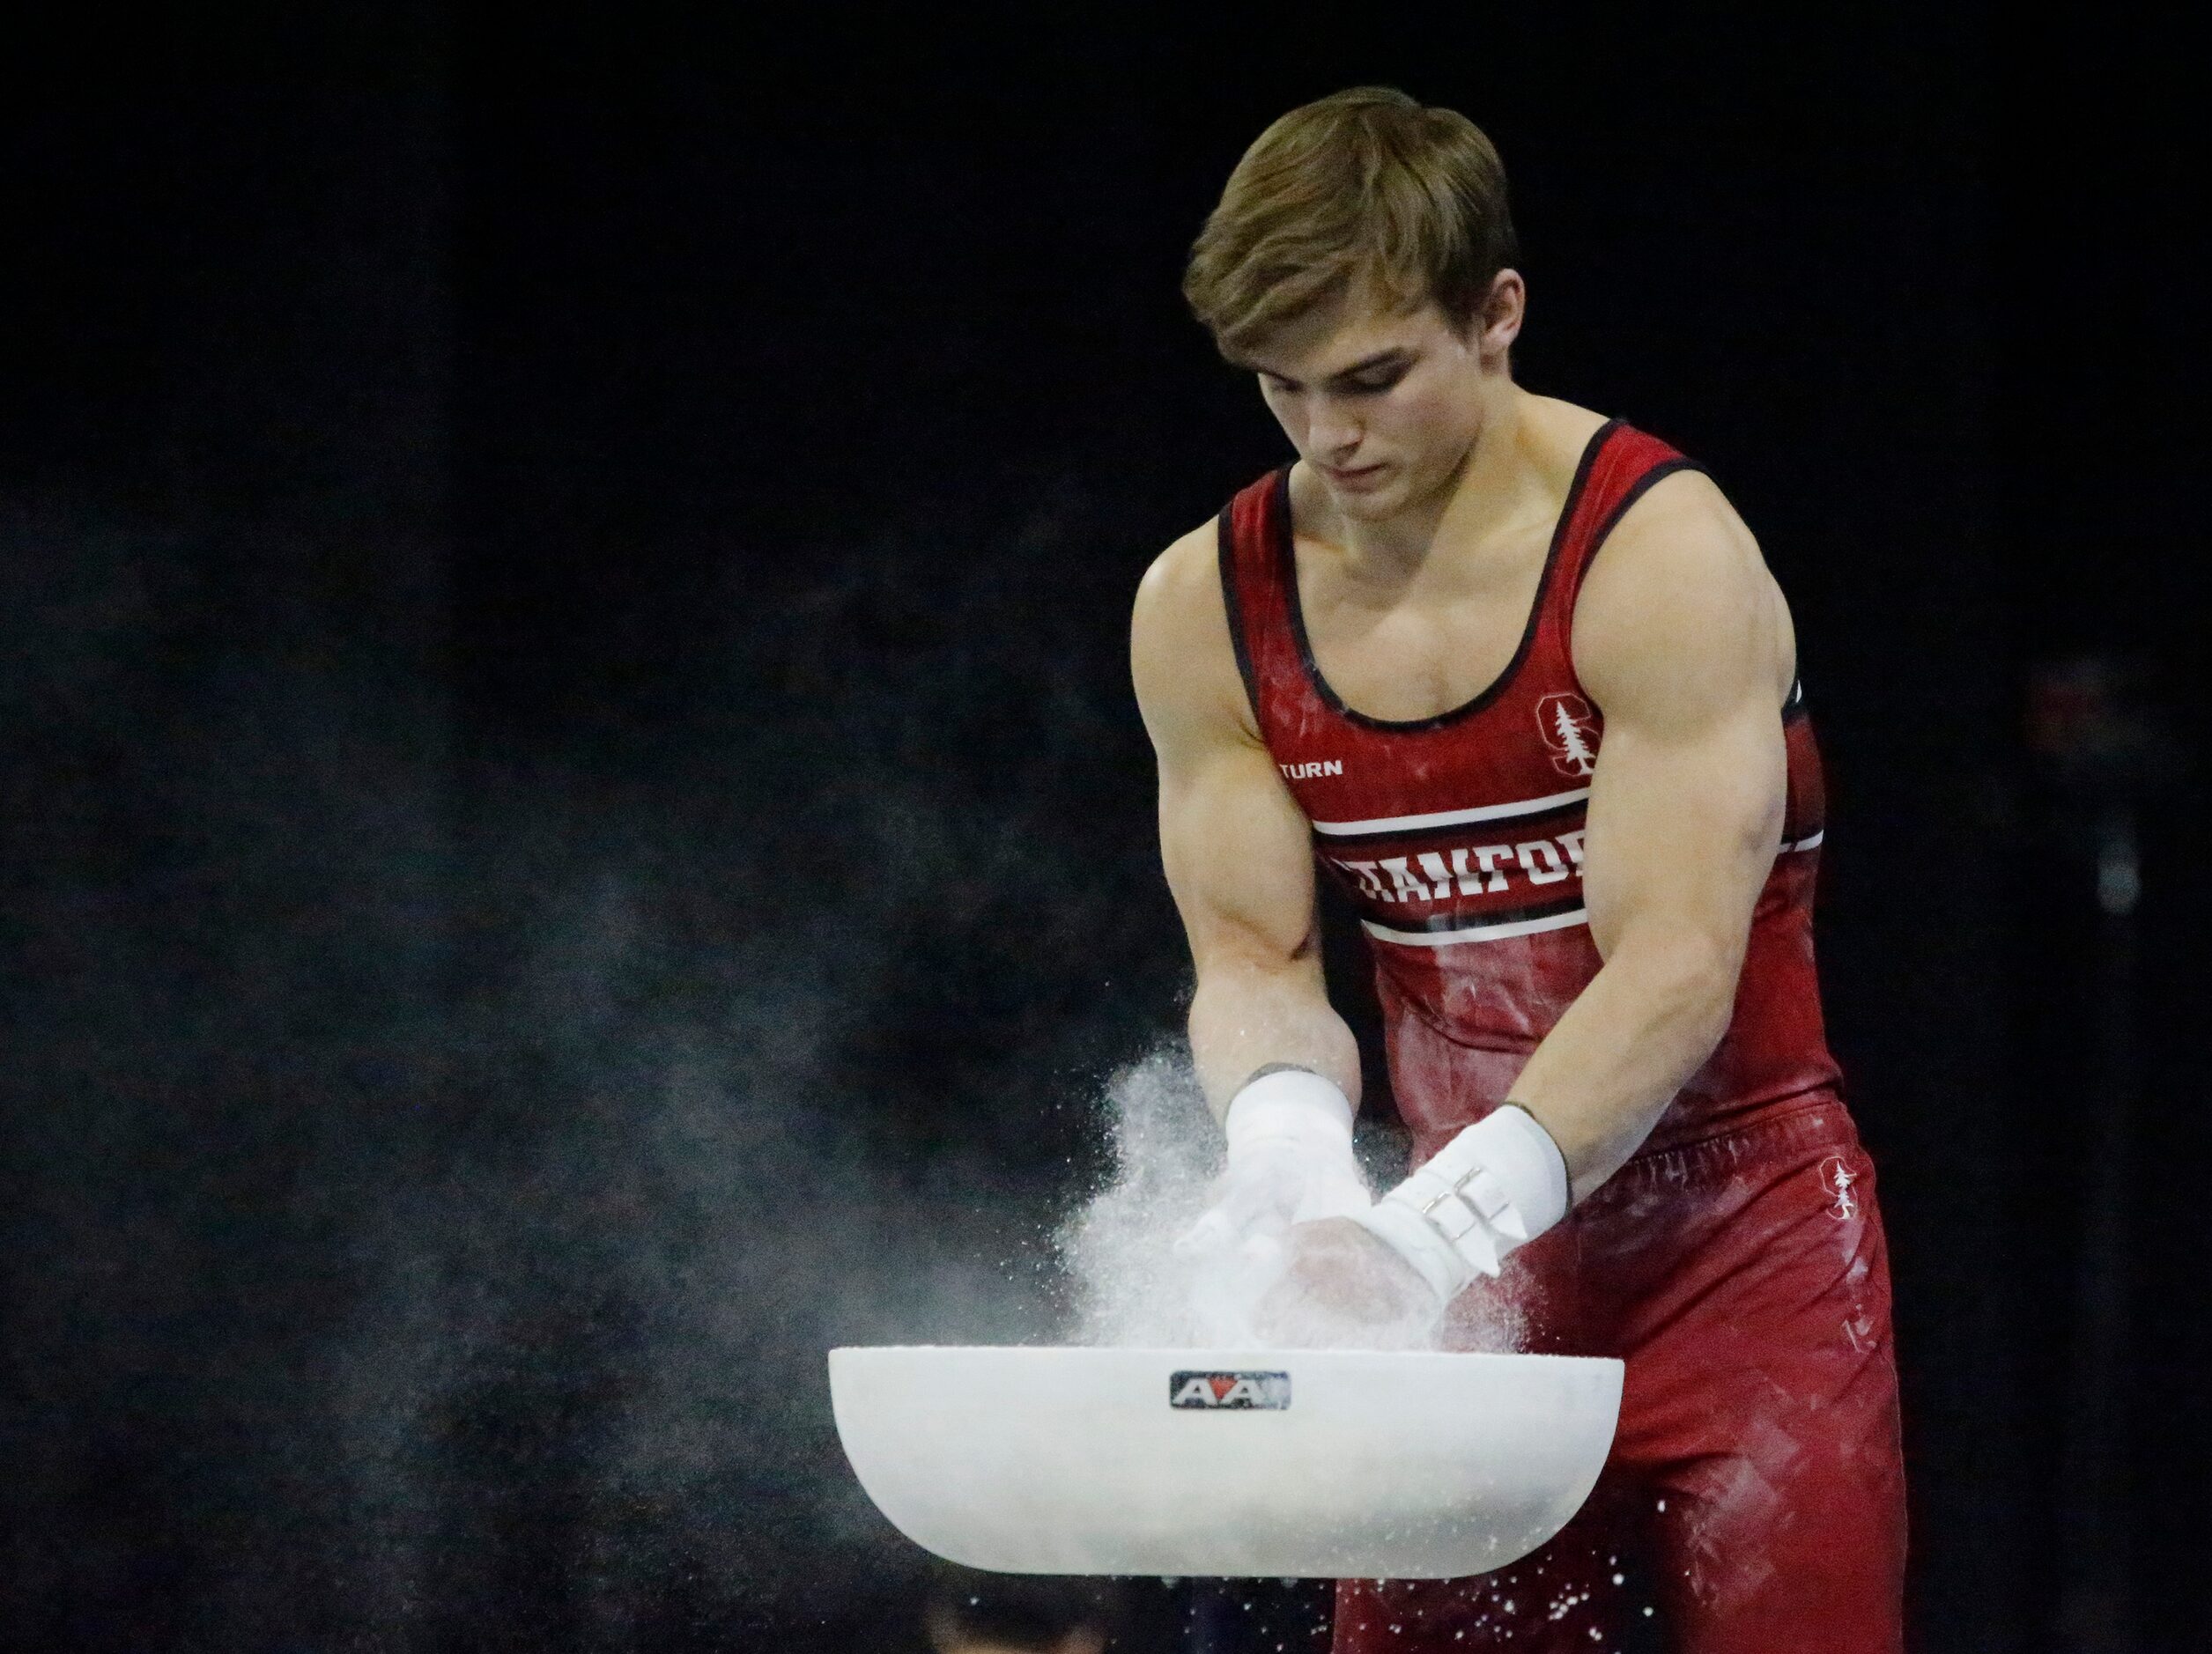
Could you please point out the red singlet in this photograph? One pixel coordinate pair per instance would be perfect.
(1754, 1496)
(1459, 837)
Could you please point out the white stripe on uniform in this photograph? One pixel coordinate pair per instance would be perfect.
(1475, 933)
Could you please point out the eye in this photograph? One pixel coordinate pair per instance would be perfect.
(1368, 384)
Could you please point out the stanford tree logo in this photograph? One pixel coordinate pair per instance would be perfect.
(1838, 1177)
(1569, 729)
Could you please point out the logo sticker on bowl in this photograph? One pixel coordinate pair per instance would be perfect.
(1229, 1391)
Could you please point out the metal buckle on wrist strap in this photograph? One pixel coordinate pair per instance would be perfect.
(1451, 1192)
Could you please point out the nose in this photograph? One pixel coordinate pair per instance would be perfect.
(1333, 431)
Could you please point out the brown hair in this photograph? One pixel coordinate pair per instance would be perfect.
(1365, 189)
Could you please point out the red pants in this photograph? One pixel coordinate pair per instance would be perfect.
(1754, 1501)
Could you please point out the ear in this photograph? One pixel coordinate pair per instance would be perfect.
(1499, 321)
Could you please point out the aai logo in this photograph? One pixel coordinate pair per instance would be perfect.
(1229, 1391)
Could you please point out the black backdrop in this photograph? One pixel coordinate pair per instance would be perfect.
(568, 729)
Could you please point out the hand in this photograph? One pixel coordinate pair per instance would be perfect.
(1264, 1193)
(1341, 1288)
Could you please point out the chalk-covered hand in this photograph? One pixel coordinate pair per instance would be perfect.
(1497, 1185)
(1341, 1288)
(1289, 1161)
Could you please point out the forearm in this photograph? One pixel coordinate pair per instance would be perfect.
(1288, 1134)
(1588, 1095)
(1246, 1017)
(1602, 1078)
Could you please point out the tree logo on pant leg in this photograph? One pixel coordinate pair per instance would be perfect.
(1838, 1177)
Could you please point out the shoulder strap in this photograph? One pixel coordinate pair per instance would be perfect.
(1254, 589)
(1627, 463)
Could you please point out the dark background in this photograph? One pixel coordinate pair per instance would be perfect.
(576, 832)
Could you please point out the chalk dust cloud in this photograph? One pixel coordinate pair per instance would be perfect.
(447, 1144)
(1131, 1285)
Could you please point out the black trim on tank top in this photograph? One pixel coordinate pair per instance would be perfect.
(1637, 490)
(1286, 553)
(1227, 555)
(1794, 704)
(1504, 826)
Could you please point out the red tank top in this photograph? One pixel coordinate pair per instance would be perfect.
(1459, 838)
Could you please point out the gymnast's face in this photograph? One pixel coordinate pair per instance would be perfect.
(1386, 406)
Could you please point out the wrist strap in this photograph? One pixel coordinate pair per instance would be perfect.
(1500, 1184)
(1290, 1107)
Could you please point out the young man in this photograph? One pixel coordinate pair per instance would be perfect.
(1517, 676)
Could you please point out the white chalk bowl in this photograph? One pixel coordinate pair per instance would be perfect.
(1349, 1464)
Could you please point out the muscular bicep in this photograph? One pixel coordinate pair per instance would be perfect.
(1233, 840)
(1683, 639)
(1682, 830)
(1238, 858)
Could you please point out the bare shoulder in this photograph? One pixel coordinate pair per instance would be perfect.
(1181, 657)
(1679, 608)
(1559, 432)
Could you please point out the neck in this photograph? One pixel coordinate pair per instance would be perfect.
(1479, 495)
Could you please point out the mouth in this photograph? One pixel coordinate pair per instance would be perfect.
(1356, 476)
